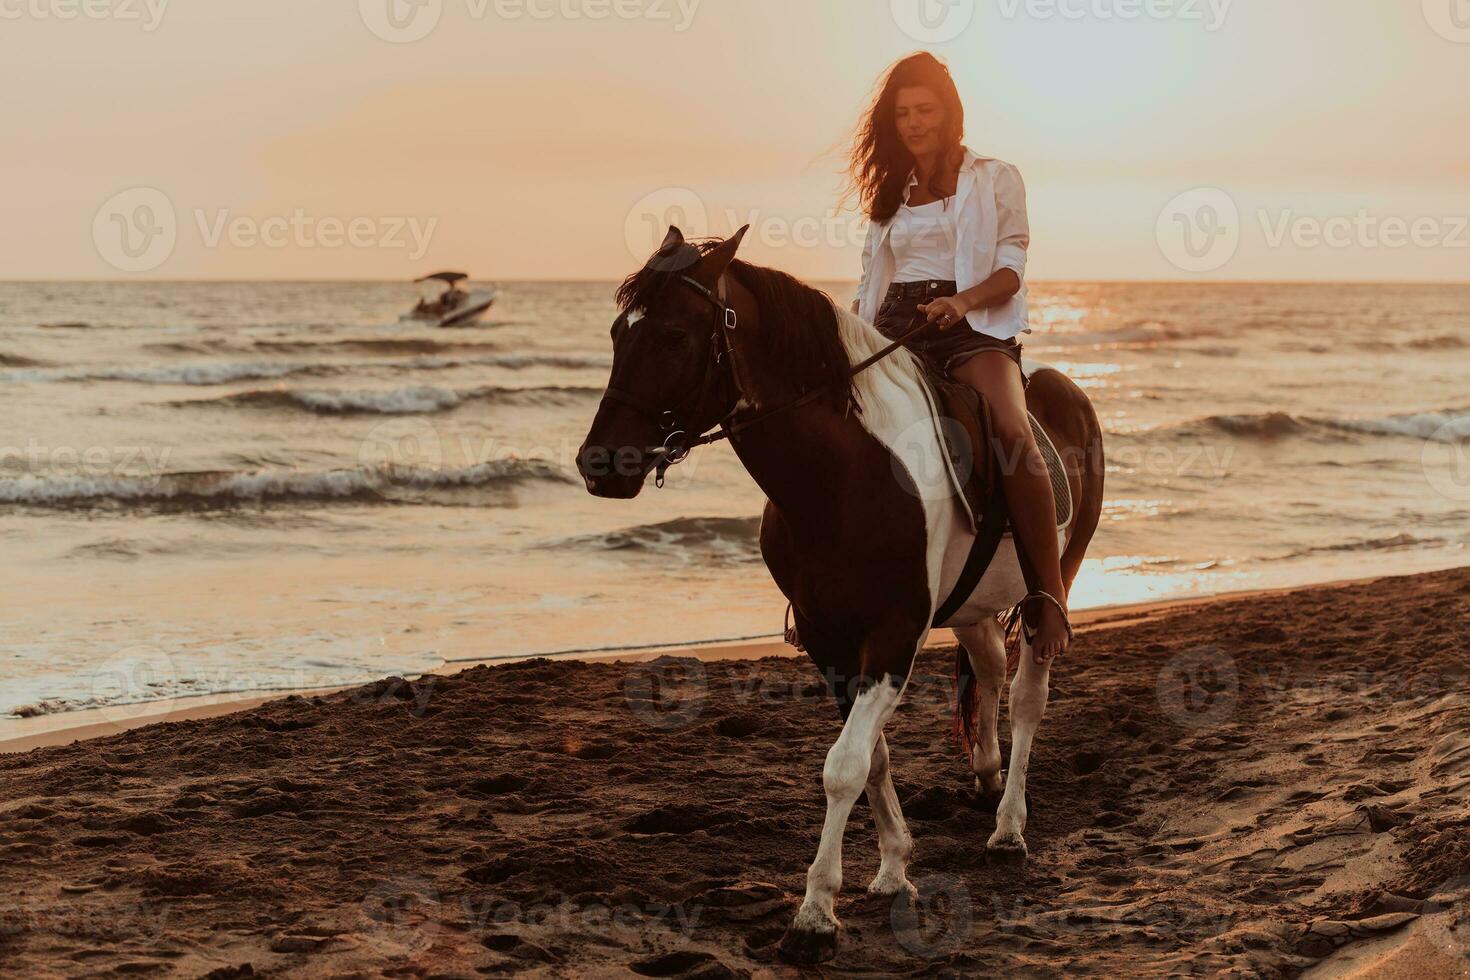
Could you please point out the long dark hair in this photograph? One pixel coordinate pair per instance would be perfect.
(881, 164)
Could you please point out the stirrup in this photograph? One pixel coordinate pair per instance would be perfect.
(1029, 632)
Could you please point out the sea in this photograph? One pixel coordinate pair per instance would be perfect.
(226, 488)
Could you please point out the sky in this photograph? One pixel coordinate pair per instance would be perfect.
(555, 139)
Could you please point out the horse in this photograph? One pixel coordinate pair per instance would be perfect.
(705, 340)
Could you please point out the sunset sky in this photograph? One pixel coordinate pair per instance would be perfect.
(545, 138)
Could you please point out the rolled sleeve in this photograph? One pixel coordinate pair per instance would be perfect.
(1013, 228)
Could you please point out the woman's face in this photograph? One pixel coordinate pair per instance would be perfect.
(920, 117)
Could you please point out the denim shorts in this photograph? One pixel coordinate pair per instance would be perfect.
(941, 350)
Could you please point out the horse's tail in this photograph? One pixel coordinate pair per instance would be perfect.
(966, 702)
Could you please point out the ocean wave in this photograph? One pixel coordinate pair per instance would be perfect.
(1397, 542)
(1449, 426)
(1436, 342)
(398, 484)
(184, 374)
(208, 374)
(390, 345)
(1447, 341)
(569, 362)
(419, 400)
(729, 538)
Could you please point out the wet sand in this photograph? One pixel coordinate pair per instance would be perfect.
(1271, 785)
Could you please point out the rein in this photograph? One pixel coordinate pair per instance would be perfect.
(726, 319)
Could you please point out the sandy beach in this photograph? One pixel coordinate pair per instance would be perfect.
(1274, 785)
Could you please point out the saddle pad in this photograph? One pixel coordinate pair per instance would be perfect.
(958, 462)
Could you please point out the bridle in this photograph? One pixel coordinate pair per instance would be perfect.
(675, 448)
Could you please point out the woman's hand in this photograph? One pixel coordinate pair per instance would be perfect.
(946, 312)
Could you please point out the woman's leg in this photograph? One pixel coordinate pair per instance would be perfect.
(1027, 485)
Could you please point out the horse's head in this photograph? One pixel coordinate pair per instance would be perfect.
(672, 378)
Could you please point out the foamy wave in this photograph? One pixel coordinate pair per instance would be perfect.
(398, 483)
(403, 401)
(1448, 427)
(184, 374)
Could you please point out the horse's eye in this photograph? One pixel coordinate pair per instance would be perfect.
(672, 339)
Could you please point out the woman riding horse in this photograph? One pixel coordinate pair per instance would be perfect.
(948, 242)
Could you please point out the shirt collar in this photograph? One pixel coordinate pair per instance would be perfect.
(972, 159)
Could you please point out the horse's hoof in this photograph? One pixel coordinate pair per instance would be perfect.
(805, 948)
(1007, 853)
(886, 888)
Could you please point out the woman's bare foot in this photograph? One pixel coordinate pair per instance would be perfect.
(1052, 636)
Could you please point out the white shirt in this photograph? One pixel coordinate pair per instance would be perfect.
(923, 242)
(991, 232)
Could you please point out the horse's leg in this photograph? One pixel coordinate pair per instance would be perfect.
(985, 644)
(813, 933)
(895, 846)
(1028, 706)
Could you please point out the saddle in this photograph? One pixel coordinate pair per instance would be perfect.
(962, 421)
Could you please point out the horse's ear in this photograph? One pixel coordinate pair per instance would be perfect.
(672, 240)
(674, 254)
(713, 265)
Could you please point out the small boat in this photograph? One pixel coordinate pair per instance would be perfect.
(445, 303)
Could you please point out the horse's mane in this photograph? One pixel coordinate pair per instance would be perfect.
(802, 328)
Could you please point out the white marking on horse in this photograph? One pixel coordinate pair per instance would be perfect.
(847, 771)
